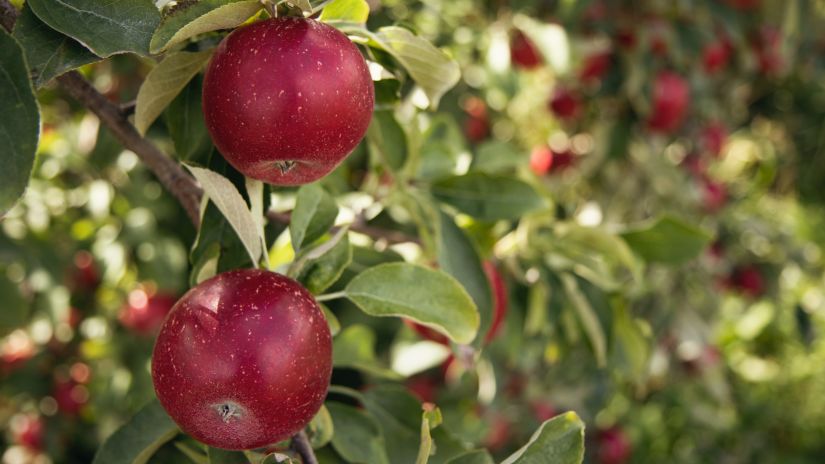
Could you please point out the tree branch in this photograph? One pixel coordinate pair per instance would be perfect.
(170, 174)
(300, 444)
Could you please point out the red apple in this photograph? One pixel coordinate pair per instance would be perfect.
(695, 165)
(541, 160)
(243, 360)
(523, 52)
(500, 305)
(498, 434)
(70, 396)
(714, 195)
(595, 66)
(477, 124)
(768, 52)
(84, 276)
(716, 55)
(424, 387)
(713, 138)
(626, 38)
(613, 446)
(563, 160)
(27, 431)
(669, 102)
(564, 103)
(543, 410)
(287, 99)
(748, 280)
(143, 314)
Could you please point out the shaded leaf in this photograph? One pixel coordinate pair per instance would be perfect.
(358, 437)
(184, 120)
(488, 197)
(222, 456)
(138, 439)
(320, 429)
(48, 52)
(163, 83)
(667, 240)
(106, 28)
(559, 440)
(314, 214)
(19, 123)
(199, 17)
(15, 309)
(354, 347)
(387, 140)
(429, 297)
(473, 457)
(320, 273)
(588, 317)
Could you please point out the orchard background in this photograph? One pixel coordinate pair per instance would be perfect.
(642, 182)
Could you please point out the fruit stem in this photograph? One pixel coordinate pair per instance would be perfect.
(300, 443)
(331, 296)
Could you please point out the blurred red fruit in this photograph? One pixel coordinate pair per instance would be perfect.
(670, 100)
(523, 52)
(714, 195)
(477, 124)
(564, 103)
(747, 280)
(500, 302)
(563, 160)
(613, 446)
(716, 55)
(499, 433)
(27, 431)
(143, 314)
(695, 165)
(769, 54)
(84, 276)
(543, 410)
(424, 387)
(744, 5)
(541, 160)
(626, 38)
(713, 138)
(595, 66)
(70, 396)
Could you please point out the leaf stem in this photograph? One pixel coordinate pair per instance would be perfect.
(331, 296)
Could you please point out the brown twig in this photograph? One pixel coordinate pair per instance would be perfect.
(170, 174)
(300, 444)
(376, 233)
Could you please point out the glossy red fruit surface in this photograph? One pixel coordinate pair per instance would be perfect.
(143, 313)
(670, 100)
(287, 99)
(523, 52)
(243, 360)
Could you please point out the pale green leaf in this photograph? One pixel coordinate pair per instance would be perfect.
(488, 197)
(314, 214)
(201, 17)
(667, 240)
(559, 440)
(355, 11)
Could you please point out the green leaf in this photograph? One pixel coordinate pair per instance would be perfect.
(314, 214)
(594, 254)
(354, 347)
(488, 197)
(559, 440)
(15, 309)
(229, 201)
(432, 69)
(630, 349)
(441, 148)
(473, 457)
(358, 437)
(163, 83)
(194, 18)
(429, 297)
(222, 456)
(355, 11)
(138, 439)
(321, 429)
(48, 52)
(496, 157)
(193, 454)
(588, 317)
(387, 140)
(667, 240)
(106, 28)
(430, 419)
(184, 120)
(19, 123)
(459, 257)
(319, 273)
(332, 320)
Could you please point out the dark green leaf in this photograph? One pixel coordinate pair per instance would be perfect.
(106, 28)
(222, 456)
(355, 347)
(138, 439)
(19, 123)
(15, 309)
(184, 119)
(559, 440)
(429, 297)
(48, 52)
(320, 273)
(358, 437)
(314, 214)
(193, 18)
(488, 197)
(458, 257)
(667, 240)
(473, 457)
(321, 430)
(387, 140)
(497, 157)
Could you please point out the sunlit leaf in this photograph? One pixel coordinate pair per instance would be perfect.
(194, 18)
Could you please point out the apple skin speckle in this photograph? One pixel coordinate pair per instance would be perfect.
(243, 359)
(287, 92)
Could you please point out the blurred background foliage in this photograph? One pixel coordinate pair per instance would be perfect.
(709, 113)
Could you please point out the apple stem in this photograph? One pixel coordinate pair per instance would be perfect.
(300, 444)
(330, 296)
